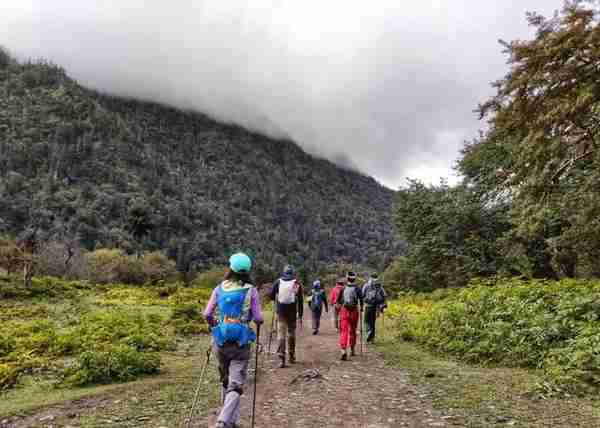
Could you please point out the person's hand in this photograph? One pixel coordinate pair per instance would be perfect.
(211, 321)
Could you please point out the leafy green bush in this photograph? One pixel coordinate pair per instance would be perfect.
(41, 287)
(104, 328)
(549, 325)
(8, 375)
(115, 363)
(188, 319)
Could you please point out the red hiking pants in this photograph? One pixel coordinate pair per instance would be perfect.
(348, 324)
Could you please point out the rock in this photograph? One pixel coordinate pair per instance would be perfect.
(47, 418)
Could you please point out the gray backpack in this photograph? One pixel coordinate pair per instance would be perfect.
(374, 294)
(350, 297)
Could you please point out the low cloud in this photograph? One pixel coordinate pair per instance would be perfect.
(386, 86)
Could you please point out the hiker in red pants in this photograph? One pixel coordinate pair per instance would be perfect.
(348, 301)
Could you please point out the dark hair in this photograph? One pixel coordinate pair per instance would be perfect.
(243, 277)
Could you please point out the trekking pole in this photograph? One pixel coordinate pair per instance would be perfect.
(197, 393)
(271, 332)
(255, 375)
(361, 330)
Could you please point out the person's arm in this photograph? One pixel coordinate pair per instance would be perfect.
(274, 290)
(325, 302)
(209, 310)
(255, 309)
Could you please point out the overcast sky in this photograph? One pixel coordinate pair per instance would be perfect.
(387, 86)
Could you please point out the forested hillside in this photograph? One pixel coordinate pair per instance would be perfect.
(111, 172)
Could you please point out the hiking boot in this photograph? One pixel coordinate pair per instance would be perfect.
(281, 363)
(344, 357)
(352, 353)
(315, 332)
(292, 359)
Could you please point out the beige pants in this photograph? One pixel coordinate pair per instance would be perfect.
(286, 332)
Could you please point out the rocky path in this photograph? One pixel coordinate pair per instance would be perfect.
(322, 391)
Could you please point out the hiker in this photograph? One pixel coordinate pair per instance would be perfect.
(349, 301)
(318, 299)
(287, 292)
(238, 303)
(333, 296)
(374, 297)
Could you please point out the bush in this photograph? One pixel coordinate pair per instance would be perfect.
(157, 267)
(114, 266)
(61, 259)
(105, 328)
(209, 279)
(115, 363)
(549, 325)
(188, 319)
(8, 375)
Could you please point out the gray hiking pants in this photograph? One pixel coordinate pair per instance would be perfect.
(370, 321)
(316, 319)
(233, 369)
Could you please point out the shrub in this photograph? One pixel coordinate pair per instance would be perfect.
(105, 328)
(61, 259)
(115, 363)
(8, 375)
(157, 267)
(188, 319)
(549, 325)
(209, 279)
(114, 266)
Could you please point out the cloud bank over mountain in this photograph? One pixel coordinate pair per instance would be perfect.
(387, 86)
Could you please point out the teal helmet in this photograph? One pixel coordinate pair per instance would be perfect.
(240, 263)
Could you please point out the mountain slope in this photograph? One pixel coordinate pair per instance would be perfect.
(117, 172)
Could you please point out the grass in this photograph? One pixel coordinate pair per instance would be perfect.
(483, 396)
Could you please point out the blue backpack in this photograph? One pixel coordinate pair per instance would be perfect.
(316, 302)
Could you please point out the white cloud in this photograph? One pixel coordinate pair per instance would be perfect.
(388, 85)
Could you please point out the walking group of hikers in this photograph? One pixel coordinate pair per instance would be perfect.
(235, 302)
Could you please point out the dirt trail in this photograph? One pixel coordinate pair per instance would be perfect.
(362, 392)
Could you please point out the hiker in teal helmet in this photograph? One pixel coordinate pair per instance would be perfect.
(240, 263)
(238, 304)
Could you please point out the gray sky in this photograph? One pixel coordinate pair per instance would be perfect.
(387, 86)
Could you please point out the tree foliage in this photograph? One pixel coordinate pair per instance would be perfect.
(452, 235)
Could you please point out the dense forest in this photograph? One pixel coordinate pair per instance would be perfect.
(120, 173)
(529, 204)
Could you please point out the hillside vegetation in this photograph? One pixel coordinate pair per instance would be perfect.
(118, 173)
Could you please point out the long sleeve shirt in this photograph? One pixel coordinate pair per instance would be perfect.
(290, 310)
(323, 300)
(255, 310)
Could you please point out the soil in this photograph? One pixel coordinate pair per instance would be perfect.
(320, 390)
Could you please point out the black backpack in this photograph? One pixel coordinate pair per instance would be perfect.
(374, 294)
